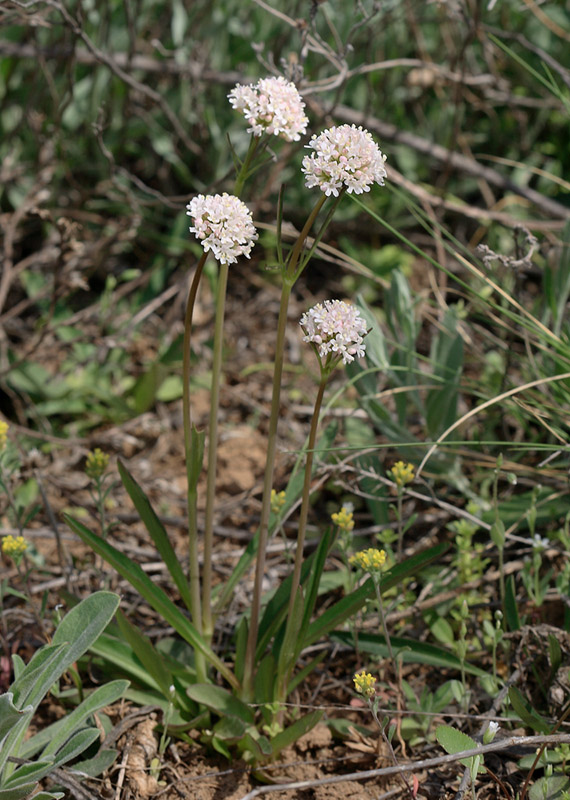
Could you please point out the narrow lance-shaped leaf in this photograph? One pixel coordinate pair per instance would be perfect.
(158, 600)
(157, 533)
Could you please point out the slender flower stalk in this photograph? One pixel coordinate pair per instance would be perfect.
(336, 332)
(372, 561)
(267, 486)
(291, 272)
(224, 225)
(208, 628)
(304, 513)
(192, 495)
(402, 474)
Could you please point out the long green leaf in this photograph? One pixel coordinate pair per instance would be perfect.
(9, 714)
(157, 533)
(299, 728)
(118, 653)
(221, 701)
(55, 735)
(276, 609)
(527, 713)
(288, 649)
(21, 793)
(148, 655)
(349, 605)
(313, 582)
(412, 651)
(157, 599)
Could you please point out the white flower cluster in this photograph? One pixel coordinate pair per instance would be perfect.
(224, 225)
(335, 327)
(272, 106)
(344, 155)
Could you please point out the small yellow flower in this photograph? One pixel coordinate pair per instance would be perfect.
(402, 473)
(343, 519)
(3, 434)
(96, 464)
(14, 546)
(365, 683)
(371, 560)
(277, 501)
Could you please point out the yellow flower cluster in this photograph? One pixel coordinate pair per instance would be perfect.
(14, 546)
(402, 473)
(3, 434)
(343, 519)
(277, 501)
(365, 683)
(371, 560)
(96, 464)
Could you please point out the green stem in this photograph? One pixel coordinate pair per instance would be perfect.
(502, 578)
(400, 526)
(389, 745)
(304, 513)
(212, 454)
(194, 569)
(244, 169)
(330, 213)
(383, 618)
(267, 486)
(292, 273)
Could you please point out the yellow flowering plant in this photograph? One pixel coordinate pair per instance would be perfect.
(96, 466)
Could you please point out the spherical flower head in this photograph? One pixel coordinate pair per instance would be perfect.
(365, 683)
(272, 106)
(96, 464)
(343, 519)
(344, 156)
(224, 225)
(277, 501)
(371, 560)
(402, 473)
(3, 434)
(335, 327)
(14, 546)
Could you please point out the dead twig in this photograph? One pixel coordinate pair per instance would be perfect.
(428, 763)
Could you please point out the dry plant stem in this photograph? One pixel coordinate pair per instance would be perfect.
(212, 454)
(288, 281)
(193, 566)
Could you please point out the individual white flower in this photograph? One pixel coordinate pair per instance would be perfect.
(224, 225)
(344, 155)
(335, 327)
(539, 543)
(490, 732)
(272, 106)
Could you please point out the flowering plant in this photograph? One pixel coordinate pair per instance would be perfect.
(345, 159)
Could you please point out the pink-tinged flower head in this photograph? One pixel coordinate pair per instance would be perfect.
(224, 225)
(272, 106)
(344, 155)
(335, 327)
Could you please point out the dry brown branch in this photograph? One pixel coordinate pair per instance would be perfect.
(455, 160)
